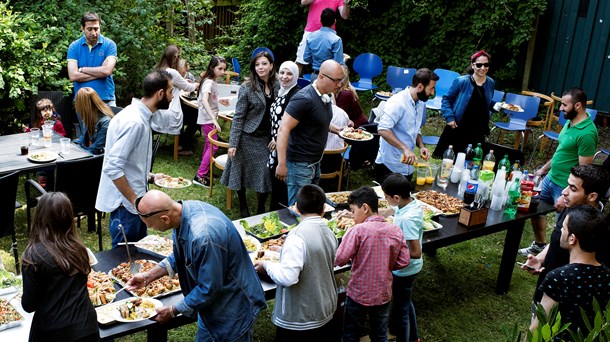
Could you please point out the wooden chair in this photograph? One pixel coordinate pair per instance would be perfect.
(330, 156)
(220, 162)
(549, 104)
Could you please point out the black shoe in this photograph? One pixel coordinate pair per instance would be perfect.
(202, 181)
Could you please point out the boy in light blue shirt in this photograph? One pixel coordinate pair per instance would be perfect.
(408, 215)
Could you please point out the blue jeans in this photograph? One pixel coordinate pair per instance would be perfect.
(135, 229)
(403, 322)
(299, 174)
(549, 191)
(203, 335)
(355, 316)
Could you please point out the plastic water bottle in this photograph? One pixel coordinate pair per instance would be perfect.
(512, 202)
(446, 167)
(490, 161)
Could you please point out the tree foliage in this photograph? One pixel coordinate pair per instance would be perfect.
(409, 33)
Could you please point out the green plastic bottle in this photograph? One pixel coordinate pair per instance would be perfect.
(512, 202)
(478, 155)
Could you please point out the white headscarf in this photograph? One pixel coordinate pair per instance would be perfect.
(294, 69)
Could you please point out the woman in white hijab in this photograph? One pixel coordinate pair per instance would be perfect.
(288, 75)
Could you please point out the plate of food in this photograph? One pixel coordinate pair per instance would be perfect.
(170, 182)
(511, 107)
(355, 134)
(161, 287)
(43, 156)
(137, 309)
(9, 316)
(251, 243)
(449, 205)
(155, 245)
(101, 288)
(385, 93)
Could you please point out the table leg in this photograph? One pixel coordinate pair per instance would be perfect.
(509, 256)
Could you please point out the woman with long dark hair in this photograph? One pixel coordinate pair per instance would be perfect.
(466, 107)
(251, 133)
(55, 270)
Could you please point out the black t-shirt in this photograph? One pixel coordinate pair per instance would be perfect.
(63, 309)
(308, 139)
(574, 286)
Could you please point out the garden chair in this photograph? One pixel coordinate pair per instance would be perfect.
(79, 180)
(332, 165)
(302, 82)
(361, 153)
(8, 184)
(446, 78)
(220, 162)
(518, 120)
(398, 79)
(543, 122)
(367, 65)
(235, 73)
(63, 105)
(429, 139)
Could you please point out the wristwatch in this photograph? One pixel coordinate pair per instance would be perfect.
(80, 69)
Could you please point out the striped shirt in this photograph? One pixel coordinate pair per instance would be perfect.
(376, 248)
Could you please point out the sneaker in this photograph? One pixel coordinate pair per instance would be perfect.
(533, 249)
(202, 181)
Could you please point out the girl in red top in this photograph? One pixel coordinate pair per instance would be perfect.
(45, 110)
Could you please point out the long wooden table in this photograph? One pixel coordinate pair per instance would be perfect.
(11, 159)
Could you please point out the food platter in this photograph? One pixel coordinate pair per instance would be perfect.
(101, 288)
(355, 134)
(155, 245)
(136, 310)
(264, 227)
(337, 198)
(9, 316)
(169, 182)
(161, 287)
(42, 156)
(511, 107)
(9, 283)
(449, 205)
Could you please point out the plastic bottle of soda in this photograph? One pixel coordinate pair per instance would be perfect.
(527, 187)
(478, 155)
(446, 167)
(490, 161)
(515, 168)
(513, 199)
(506, 163)
(469, 157)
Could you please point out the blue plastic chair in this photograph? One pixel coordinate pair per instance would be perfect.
(398, 79)
(428, 139)
(302, 82)
(518, 120)
(307, 77)
(446, 78)
(554, 136)
(367, 65)
(236, 67)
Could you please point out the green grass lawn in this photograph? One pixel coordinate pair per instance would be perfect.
(454, 294)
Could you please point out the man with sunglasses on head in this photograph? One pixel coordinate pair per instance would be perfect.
(128, 156)
(399, 127)
(304, 130)
(577, 145)
(217, 278)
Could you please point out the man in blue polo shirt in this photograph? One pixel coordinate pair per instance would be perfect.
(91, 60)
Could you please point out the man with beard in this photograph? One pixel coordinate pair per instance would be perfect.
(127, 161)
(577, 145)
(399, 127)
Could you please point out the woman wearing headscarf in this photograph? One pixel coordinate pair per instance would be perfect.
(251, 133)
(466, 107)
(288, 76)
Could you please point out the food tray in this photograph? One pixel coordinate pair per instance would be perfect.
(156, 246)
(427, 206)
(15, 314)
(444, 214)
(337, 204)
(160, 295)
(436, 225)
(258, 220)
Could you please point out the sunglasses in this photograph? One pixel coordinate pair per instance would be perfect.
(337, 81)
(149, 214)
(480, 65)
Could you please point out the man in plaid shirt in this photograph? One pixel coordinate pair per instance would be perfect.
(375, 248)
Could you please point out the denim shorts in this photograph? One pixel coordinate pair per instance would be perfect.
(550, 191)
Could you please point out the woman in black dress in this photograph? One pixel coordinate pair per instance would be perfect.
(55, 270)
(288, 76)
(466, 107)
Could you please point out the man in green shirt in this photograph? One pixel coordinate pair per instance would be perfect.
(577, 144)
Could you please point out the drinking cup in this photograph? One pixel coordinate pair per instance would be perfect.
(422, 173)
(65, 145)
(24, 145)
(35, 135)
(433, 172)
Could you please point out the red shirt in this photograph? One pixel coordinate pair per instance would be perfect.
(376, 248)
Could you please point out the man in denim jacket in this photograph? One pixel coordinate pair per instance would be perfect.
(216, 274)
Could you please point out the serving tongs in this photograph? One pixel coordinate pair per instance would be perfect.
(133, 267)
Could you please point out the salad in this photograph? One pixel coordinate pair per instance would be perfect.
(270, 226)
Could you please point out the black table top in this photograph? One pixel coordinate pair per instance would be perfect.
(11, 159)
